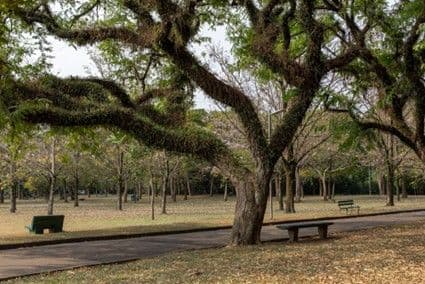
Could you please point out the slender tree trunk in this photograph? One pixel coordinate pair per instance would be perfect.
(211, 185)
(1, 195)
(390, 184)
(333, 190)
(290, 187)
(152, 197)
(76, 178)
(120, 190)
(165, 186)
(188, 187)
(281, 195)
(125, 190)
(403, 187)
(225, 191)
(52, 178)
(173, 189)
(65, 191)
(298, 185)
(320, 187)
(325, 188)
(13, 187)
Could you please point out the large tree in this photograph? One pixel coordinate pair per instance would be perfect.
(299, 41)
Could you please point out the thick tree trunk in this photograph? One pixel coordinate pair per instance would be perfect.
(290, 170)
(249, 213)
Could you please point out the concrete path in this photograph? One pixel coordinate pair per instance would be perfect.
(26, 261)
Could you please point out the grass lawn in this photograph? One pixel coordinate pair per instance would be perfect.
(382, 255)
(98, 216)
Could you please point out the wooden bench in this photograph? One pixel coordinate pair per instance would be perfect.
(54, 223)
(294, 227)
(348, 204)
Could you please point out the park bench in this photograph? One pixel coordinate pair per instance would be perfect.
(54, 223)
(294, 228)
(348, 204)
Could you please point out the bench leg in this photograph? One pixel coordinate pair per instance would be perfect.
(293, 234)
(323, 232)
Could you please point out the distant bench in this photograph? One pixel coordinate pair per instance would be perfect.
(54, 223)
(294, 227)
(348, 204)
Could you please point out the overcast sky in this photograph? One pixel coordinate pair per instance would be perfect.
(68, 61)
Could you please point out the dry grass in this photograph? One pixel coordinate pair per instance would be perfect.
(98, 216)
(381, 255)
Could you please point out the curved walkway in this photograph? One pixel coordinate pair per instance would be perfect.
(34, 260)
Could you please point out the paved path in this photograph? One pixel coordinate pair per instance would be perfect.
(26, 261)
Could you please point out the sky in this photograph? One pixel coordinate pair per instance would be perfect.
(70, 61)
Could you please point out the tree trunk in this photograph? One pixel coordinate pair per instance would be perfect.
(403, 187)
(250, 209)
(381, 184)
(120, 189)
(1, 195)
(152, 193)
(390, 184)
(211, 185)
(225, 190)
(77, 178)
(65, 192)
(320, 187)
(13, 188)
(290, 170)
(173, 189)
(125, 190)
(298, 186)
(52, 178)
(325, 187)
(188, 187)
(165, 186)
(281, 195)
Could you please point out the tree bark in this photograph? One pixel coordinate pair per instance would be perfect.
(76, 179)
(152, 194)
(125, 190)
(52, 178)
(250, 209)
(298, 186)
(211, 185)
(13, 187)
(173, 189)
(390, 184)
(165, 186)
(65, 191)
(225, 191)
(290, 170)
(1, 195)
(403, 187)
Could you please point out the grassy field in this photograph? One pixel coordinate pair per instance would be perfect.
(98, 216)
(382, 255)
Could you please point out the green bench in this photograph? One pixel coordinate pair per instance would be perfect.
(293, 229)
(348, 204)
(54, 223)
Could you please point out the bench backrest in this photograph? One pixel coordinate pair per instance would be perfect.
(47, 221)
(345, 202)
